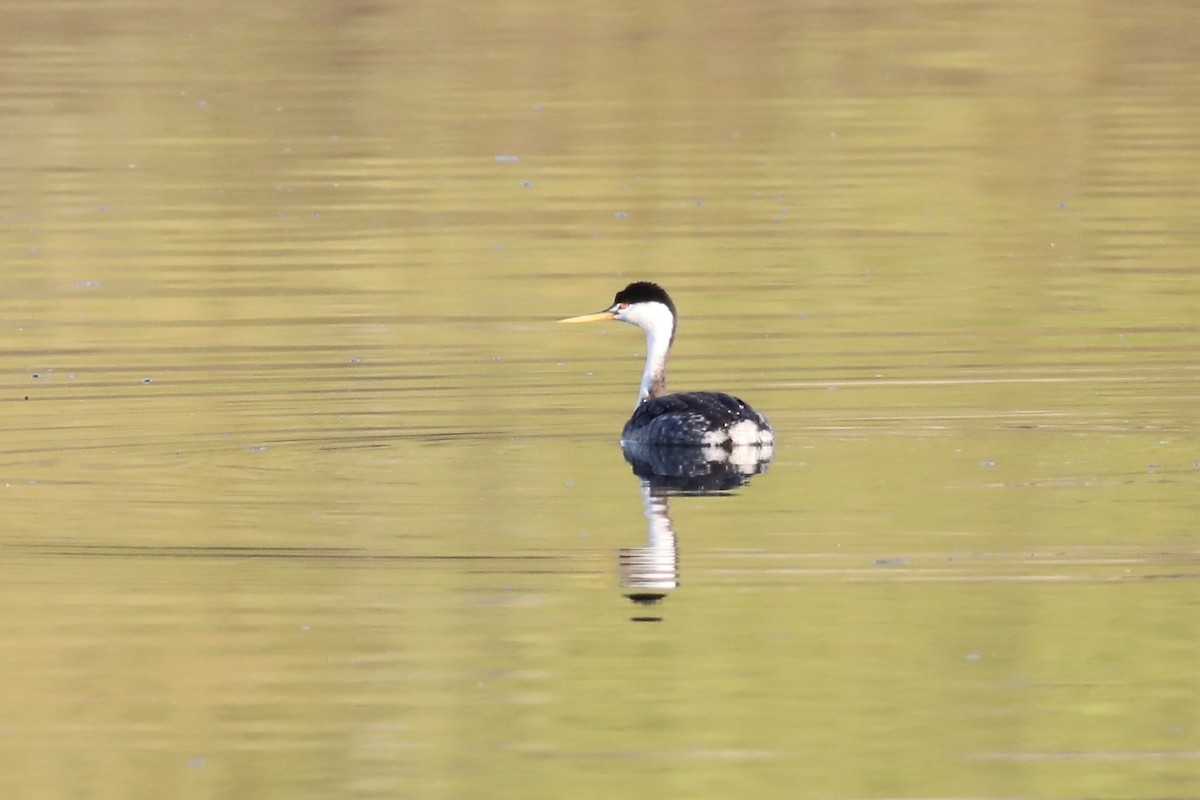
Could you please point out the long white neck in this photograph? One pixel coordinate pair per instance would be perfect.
(654, 375)
(659, 324)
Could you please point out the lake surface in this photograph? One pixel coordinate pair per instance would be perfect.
(306, 496)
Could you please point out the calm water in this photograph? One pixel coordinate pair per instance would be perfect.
(305, 496)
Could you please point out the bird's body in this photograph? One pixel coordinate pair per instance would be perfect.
(690, 418)
(682, 418)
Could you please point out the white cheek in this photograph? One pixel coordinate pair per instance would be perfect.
(651, 317)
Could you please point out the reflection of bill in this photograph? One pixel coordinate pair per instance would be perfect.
(648, 573)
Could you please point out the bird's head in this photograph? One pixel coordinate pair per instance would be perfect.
(643, 304)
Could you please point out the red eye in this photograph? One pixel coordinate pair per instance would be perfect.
(622, 305)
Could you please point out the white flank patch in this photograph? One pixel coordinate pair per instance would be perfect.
(748, 432)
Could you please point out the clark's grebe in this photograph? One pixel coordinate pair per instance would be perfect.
(683, 418)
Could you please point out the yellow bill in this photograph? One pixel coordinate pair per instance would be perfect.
(599, 316)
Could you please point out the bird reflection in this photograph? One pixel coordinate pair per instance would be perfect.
(649, 573)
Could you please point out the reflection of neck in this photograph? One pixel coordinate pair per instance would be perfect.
(660, 532)
(655, 567)
(654, 376)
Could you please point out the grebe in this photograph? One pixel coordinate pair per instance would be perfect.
(683, 418)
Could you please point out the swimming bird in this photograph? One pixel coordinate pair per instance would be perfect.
(683, 418)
